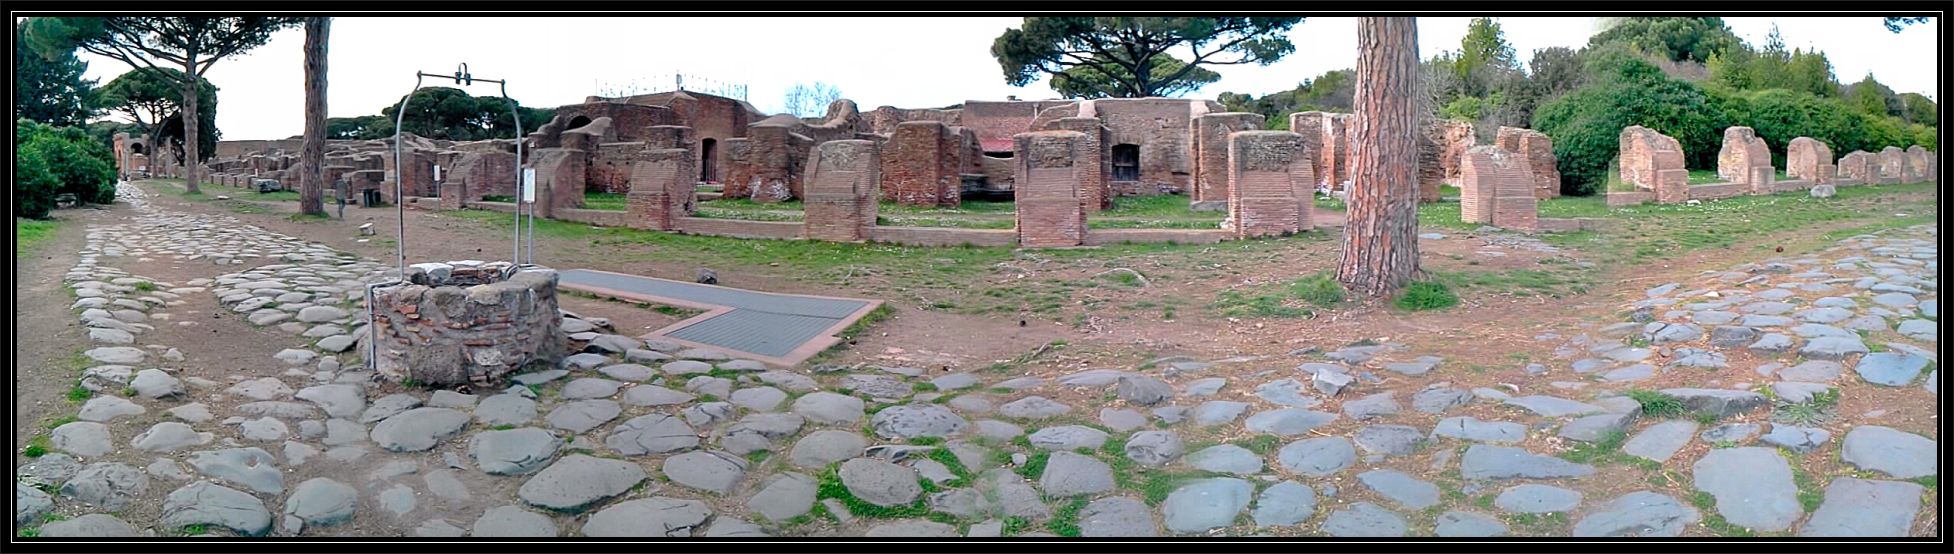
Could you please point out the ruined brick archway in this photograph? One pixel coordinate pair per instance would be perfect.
(577, 123)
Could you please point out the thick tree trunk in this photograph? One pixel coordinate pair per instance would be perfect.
(192, 169)
(313, 156)
(1380, 241)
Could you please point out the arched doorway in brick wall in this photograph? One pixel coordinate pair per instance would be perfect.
(577, 123)
(708, 172)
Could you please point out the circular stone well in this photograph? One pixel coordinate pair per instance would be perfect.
(466, 322)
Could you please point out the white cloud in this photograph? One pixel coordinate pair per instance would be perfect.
(904, 62)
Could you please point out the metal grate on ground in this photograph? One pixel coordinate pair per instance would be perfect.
(783, 329)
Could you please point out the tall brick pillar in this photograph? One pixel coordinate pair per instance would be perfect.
(661, 188)
(1309, 125)
(1496, 188)
(1810, 160)
(1211, 144)
(920, 165)
(1337, 148)
(559, 180)
(1049, 190)
(1892, 165)
(1920, 164)
(1098, 152)
(841, 191)
(1269, 183)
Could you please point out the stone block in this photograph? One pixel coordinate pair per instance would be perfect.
(1049, 193)
(841, 194)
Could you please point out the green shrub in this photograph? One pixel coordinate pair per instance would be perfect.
(1426, 295)
(52, 161)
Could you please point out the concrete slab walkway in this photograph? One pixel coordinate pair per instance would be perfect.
(781, 329)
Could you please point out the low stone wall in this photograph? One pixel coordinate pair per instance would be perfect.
(740, 228)
(944, 236)
(1099, 237)
(1719, 190)
(463, 323)
(1620, 199)
(601, 218)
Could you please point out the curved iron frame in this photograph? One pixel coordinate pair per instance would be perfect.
(462, 77)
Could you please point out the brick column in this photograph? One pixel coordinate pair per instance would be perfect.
(1538, 151)
(1742, 155)
(559, 180)
(1270, 184)
(1309, 125)
(1211, 146)
(1336, 148)
(1497, 188)
(1892, 165)
(660, 190)
(841, 191)
(1050, 199)
(1098, 153)
(920, 165)
(1920, 164)
(1810, 160)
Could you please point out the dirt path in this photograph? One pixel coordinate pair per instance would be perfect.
(46, 335)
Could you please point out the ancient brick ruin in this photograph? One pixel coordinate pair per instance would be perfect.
(1859, 167)
(1920, 164)
(1271, 189)
(1496, 187)
(1538, 151)
(1051, 211)
(922, 165)
(1745, 160)
(1653, 162)
(1807, 159)
(1892, 165)
(842, 198)
(1212, 151)
(466, 322)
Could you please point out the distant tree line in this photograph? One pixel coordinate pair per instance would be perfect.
(443, 113)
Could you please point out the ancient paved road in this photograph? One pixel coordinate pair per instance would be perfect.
(781, 328)
(660, 440)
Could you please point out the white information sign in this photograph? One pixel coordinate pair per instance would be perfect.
(529, 185)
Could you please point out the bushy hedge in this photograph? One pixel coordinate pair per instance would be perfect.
(1622, 90)
(51, 161)
(1586, 124)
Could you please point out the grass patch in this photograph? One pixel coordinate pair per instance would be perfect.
(830, 487)
(37, 446)
(607, 201)
(1658, 405)
(29, 234)
(505, 198)
(1261, 445)
(1034, 465)
(1426, 295)
(79, 394)
(675, 311)
(1289, 300)
(1065, 519)
(1820, 410)
(1158, 484)
(1606, 450)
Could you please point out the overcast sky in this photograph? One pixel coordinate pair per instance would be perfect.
(903, 62)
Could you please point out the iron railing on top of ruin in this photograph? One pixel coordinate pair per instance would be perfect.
(668, 83)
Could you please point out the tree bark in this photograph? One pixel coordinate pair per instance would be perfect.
(192, 168)
(1380, 245)
(313, 155)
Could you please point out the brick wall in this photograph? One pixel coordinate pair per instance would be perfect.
(1538, 151)
(1160, 127)
(1338, 145)
(841, 193)
(1496, 188)
(738, 228)
(945, 236)
(1211, 152)
(1309, 125)
(921, 165)
(1920, 164)
(1892, 165)
(1859, 167)
(1458, 137)
(1718, 191)
(767, 165)
(1808, 159)
(559, 179)
(1051, 211)
(1742, 154)
(664, 192)
(1270, 188)
(1654, 161)
(1098, 153)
